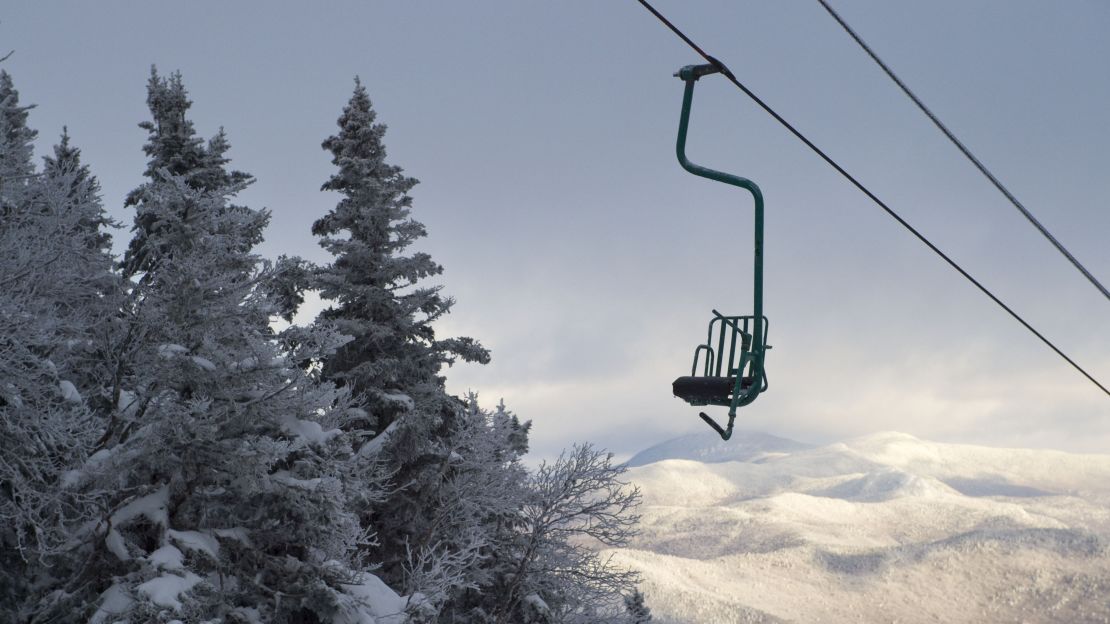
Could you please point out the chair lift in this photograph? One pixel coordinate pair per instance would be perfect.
(737, 379)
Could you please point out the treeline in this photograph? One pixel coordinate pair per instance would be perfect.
(166, 455)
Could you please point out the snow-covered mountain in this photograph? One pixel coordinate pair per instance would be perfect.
(709, 448)
(885, 528)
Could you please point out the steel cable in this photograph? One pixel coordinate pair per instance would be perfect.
(966, 152)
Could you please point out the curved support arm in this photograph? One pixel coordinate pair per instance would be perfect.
(724, 432)
(690, 75)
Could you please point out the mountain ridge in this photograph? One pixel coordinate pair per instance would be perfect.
(883, 527)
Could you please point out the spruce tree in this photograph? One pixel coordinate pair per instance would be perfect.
(376, 292)
(16, 146)
(173, 144)
(83, 191)
(392, 363)
(58, 291)
(175, 150)
(51, 300)
(69, 184)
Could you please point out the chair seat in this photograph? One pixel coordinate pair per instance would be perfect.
(707, 389)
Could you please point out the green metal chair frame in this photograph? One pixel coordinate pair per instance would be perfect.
(737, 380)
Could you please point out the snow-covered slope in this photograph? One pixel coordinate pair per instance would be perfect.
(879, 529)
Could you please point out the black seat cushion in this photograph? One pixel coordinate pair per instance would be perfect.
(707, 389)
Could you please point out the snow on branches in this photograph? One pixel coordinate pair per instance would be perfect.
(167, 455)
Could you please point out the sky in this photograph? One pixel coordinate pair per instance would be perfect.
(588, 261)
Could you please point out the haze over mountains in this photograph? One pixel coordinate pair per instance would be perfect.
(710, 448)
(885, 528)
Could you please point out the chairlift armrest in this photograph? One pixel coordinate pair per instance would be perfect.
(708, 361)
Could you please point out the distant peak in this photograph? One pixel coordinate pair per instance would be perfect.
(887, 437)
(707, 447)
(895, 434)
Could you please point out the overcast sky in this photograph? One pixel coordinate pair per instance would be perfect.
(588, 261)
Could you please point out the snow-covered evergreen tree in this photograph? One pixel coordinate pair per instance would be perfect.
(392, 363)
(17, 166)
(56, 290)
(46, 425)
(16, 139)
(173, 144)
(466, 526)
(67, 184)
(84, 191)
(175, 150)
(375, 290)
